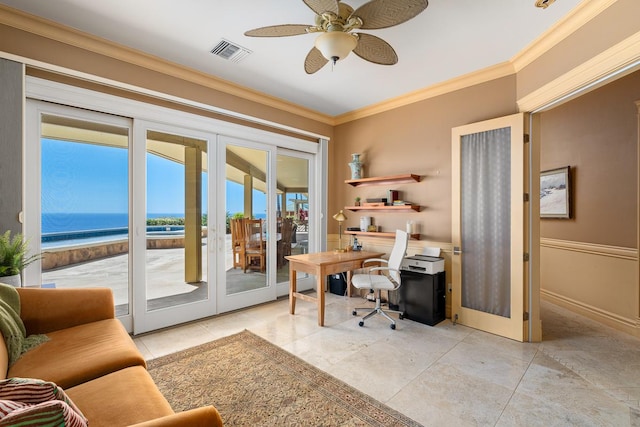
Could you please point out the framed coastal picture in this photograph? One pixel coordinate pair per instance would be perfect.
(555, 193)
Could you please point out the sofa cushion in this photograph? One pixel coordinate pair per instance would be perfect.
(79, 354)
(122, 398)
(45, 310)
(26, 401)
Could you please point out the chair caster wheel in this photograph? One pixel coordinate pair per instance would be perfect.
(393, 326)
(355, 313)
(361, 323)
(401, 316)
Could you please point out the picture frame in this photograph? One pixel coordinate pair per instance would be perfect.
(555, 193)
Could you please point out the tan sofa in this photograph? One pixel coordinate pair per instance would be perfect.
(90, 355)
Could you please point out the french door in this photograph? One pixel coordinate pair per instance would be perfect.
(77, 203)
(171, 238)
(489, 229)
(294, 187)
(137, 198)
(271, 185)
(246, 179)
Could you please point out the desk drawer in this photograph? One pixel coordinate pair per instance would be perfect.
(343, 266)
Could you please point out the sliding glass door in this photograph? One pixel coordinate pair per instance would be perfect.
(294, 210)
(78, 210)
(250, 246)
(146, 201)
(171, 208)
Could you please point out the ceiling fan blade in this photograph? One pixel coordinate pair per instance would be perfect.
(314, 61)
(278, 31)
(322, 6)
(387, 13)
(374, 49)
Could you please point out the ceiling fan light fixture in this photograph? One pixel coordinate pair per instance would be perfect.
(336, 45)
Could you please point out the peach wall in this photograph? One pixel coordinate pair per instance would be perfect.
(412, 139)
(589, 263)
(596, 134)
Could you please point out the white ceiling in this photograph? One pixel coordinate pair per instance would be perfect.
(449, 39)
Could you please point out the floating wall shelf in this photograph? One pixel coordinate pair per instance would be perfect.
(380, 234)
(382, 180)
(400, 208)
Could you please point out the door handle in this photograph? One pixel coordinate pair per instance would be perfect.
(456, 250)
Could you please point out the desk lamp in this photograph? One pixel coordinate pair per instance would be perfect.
(340, 217)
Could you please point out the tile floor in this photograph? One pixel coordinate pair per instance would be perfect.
(582, 374)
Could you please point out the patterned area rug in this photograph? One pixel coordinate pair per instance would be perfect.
(255, 383)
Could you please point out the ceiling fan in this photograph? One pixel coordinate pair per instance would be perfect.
(336, 21)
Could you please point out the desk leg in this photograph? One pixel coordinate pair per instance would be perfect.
(349, 274)
(320, 291)
(293, 288)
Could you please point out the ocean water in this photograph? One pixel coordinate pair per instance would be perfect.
(65, 222)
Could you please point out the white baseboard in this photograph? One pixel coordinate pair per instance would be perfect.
(630, 326)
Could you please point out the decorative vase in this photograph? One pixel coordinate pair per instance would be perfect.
(356, 166)
(13, 280)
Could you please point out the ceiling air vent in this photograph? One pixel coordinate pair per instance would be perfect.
(231, 51)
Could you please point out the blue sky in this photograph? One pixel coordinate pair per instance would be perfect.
(85, 178)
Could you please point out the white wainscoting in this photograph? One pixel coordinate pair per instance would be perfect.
(597, 281)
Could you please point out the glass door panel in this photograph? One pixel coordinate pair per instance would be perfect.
(249, 245)
(176, 234)
(292, 208)
(485, 160)
(246, 200)
(84, 202)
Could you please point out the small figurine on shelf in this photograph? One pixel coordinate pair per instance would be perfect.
(357, 201)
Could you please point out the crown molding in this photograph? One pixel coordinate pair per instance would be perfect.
(477, 77)
(583, 13)
(578, 17)
(617, 61)
(55, 31)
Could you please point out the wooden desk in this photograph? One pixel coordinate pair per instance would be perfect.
(322, 264)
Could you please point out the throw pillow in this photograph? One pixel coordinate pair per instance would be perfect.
(54, 413)
(38, 403)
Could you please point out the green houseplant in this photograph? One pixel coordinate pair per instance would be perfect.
(14, 257)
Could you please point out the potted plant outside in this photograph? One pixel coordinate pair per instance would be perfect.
(14, 257)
